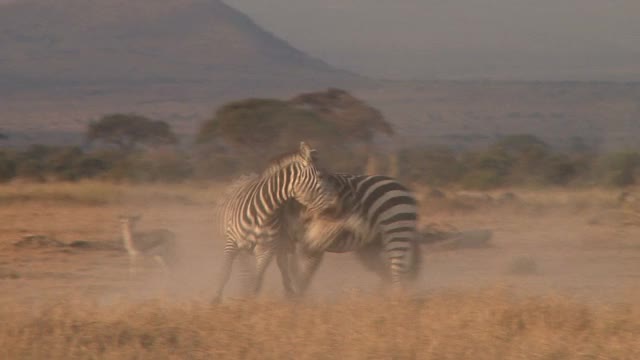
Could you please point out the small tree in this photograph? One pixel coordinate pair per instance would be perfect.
(128, 131)
(261, 128)
(355, 118)
(263, 124)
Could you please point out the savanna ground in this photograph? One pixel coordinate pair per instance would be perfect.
(559, 281)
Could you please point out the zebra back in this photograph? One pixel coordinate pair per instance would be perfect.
(375, 215)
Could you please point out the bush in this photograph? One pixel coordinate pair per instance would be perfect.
(156, 166)
(435, 166)
(486, 169)
(62, 163)
(559, 170)
(482, 179)
(8, 166)
(618, 169)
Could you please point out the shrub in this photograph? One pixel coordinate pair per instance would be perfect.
(435, 166)
(7, 166)
(618, 169)
(482, 179)
(559, 170)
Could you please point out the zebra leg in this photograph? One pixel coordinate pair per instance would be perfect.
(247, 273)
(282, 258)
(294, 269)
(309, 264)
(230, 253)
(263, 254)
(399, 261)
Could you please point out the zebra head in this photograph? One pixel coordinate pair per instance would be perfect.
(311, 186)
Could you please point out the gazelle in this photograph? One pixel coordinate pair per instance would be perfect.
(160, 244)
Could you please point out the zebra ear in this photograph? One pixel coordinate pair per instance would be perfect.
(307, 152)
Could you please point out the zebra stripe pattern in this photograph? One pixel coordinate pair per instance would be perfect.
(251, 211)
(376, 217)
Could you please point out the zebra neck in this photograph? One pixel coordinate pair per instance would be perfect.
(276, 189)
(267, 197)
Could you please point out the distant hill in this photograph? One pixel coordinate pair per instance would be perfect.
(66, 62)
(121, 44)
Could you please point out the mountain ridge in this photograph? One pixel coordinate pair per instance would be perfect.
(79, 42)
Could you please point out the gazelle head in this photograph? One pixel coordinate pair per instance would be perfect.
(129, 220)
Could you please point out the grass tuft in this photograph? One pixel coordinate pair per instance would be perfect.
(478, 326)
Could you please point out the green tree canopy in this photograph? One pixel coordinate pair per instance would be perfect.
(264, 122)
(332, 117)
(519, 144)
(355, 119)
(127, 131)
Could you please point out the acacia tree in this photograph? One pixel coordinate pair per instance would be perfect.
(357, 121)
(261, 127)
(128, 131)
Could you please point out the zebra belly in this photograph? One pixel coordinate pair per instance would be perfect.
(254, 235)
(346, 241)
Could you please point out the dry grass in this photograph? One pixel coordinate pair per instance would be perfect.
(482, 325)
(102, 193)
(60, 304)
(523, 265)
(530, 200)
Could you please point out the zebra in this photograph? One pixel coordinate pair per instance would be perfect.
(376, 217)
(251, 211)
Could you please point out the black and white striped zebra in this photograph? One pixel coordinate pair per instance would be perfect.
(252, 210)
(376, 217)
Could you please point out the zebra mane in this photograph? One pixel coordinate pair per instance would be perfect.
(282, 161)
(240, 182)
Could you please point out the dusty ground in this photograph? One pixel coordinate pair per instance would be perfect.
(546, 245)
(542, 249)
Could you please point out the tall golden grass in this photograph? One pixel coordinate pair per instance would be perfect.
(482, 325)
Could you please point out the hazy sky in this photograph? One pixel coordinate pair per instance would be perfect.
(461, 39)
(504, 39)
